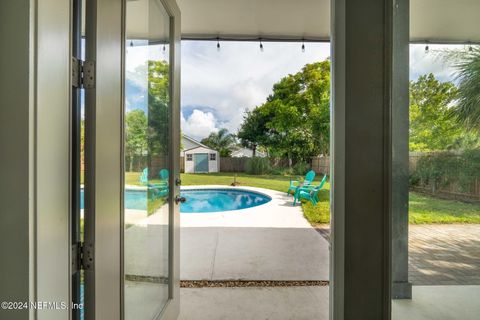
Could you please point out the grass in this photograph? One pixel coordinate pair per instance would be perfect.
(422, 209)
(425, 209)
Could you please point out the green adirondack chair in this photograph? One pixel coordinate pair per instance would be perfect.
(309, 192)
(294, 184)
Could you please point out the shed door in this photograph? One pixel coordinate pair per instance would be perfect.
(201, 162)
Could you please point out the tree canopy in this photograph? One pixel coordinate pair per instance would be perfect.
(135, 134)
(222, 141)
(431, 126)
(295, 120)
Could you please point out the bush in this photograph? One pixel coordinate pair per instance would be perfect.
(443, 169)
(258, 165)
(301, 168)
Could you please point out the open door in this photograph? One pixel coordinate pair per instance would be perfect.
(132, 160)
(152, 160)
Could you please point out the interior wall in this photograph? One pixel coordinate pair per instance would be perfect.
(16, 193)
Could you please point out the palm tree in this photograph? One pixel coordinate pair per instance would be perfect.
(222, 141)
(467, 109)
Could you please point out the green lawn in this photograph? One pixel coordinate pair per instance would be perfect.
(423, 209)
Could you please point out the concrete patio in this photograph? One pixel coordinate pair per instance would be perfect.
(269, 242)
(308, 303)
(275, 242)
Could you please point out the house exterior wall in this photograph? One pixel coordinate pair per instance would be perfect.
(245, 152)
(213, 165)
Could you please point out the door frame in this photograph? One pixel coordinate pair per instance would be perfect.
(172, 308)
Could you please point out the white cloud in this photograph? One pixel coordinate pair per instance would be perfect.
(199, 124)
(422, 62)
(239, 76)
(218, 86)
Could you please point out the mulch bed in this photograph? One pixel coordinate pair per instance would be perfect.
(249, 283)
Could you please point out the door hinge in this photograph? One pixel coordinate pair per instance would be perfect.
(82, 257)
(83, 74)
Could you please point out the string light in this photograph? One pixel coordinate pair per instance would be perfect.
(470, 48)
(303, 45)
(218, 44)
(131, 43)
(164, 48)
(261, 45)
(427, 48)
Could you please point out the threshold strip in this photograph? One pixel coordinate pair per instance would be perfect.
(251, 283)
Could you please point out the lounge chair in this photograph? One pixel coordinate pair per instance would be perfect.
(294, 184)
(309, 192)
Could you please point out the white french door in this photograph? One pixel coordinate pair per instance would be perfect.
(132, 165)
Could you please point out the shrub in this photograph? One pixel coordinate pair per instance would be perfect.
(258, 165)
(301, 168)
(442, 169)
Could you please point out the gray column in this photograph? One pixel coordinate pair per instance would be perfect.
(363, 98)
(402, 289)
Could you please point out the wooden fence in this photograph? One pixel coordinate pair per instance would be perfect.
(444, 189)
(229, 164)
(321, 165)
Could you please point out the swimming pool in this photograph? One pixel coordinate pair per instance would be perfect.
(134, 199)
(200, 200)
(215, 200)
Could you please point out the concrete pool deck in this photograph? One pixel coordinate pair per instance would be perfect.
(272, 241)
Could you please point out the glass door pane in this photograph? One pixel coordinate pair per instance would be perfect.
(147, 159)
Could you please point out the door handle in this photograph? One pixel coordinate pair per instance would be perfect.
(179, 199)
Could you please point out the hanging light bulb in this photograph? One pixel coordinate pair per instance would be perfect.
(261, 45)
(470, 48)
(131, 43)
(427, 48)
(218, 44)
(164, 48)
(303, 45)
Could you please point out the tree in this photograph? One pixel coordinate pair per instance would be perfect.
(252, 130)
(222, 141)
(135, 134)
(295, 120)
(431, 126)
(158, 107)
(467, 109)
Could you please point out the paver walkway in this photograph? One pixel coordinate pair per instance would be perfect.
(440, 254)
(444, 254)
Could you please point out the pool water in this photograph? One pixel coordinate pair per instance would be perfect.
(200, 200)
(134, 199)
(215, 200)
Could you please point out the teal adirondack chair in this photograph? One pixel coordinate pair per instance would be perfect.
(158, 189)
(309, 192)
(163, 174)
(144, 177)
(294, 184)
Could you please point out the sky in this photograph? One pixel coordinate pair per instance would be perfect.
(218, 86)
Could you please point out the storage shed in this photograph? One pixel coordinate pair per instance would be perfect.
(198, 158)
